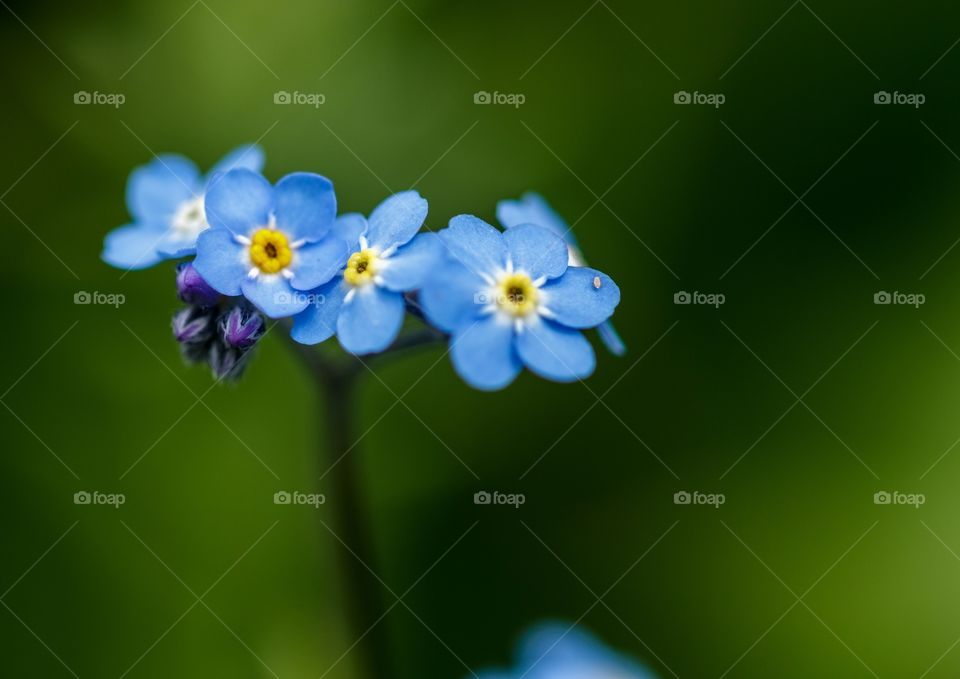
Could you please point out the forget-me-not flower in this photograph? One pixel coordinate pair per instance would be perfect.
(511, 300)
(533, 209)
(365, 305)
(272, 244)
(560, 651)
(166, 200)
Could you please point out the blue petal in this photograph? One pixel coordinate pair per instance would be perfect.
(247, 157)
(448, 296)
(575, 300)
(396, 220)
(371, 320)
(555, 352)
(273, 295)
(560, 649)
(156, 190)
(221, 261)
(410, 266)
(536, 250)
(239, 201)
(482, 353)
(533, 209)
(611, 339)
(476, 244)
(133, 246)
(349, 228)
(173, 246)
(318, 321)
(558, 643)
(305, 205)
(317, 263)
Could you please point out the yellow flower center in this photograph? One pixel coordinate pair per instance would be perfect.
(517, 295)
(361, 267)
(270, 251)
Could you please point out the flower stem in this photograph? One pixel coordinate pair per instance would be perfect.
(337, 384)
(362, 593)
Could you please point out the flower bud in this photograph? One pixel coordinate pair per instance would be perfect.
(194, 328)
(191, 287)
(241, 327)
(193, 325)
(226, 362)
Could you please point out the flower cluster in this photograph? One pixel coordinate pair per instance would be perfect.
(504, 299)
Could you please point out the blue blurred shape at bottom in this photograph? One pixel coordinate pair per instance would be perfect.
(556, 650)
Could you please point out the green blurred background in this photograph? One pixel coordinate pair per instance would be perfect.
(85, 589)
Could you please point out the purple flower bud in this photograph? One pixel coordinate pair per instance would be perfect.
(226, 362)
(194, 328)
(193, 325)
(241, 327)
(191, 287)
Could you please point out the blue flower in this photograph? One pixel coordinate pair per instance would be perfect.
(166, 199)
(510, 300)
(533, 209)
(271, 244)
(364, 306)
(560, 651)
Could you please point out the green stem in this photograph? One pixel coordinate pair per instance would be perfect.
(337, 383)
(362, 593)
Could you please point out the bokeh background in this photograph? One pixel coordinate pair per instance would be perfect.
(798, 399)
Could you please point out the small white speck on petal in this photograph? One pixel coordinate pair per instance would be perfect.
(596, 282)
